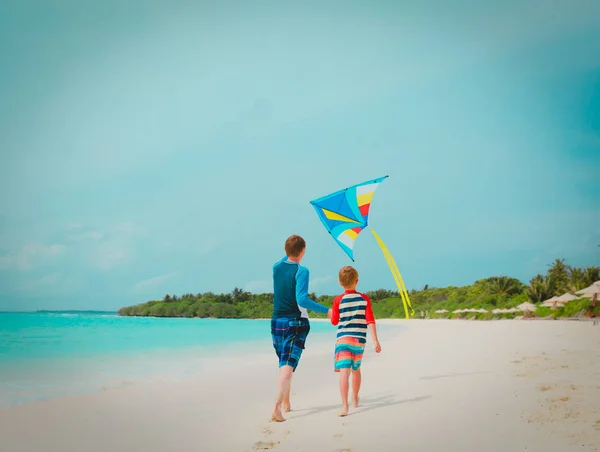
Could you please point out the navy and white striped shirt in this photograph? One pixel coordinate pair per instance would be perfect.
(352, 313)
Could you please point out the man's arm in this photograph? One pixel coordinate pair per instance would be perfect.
(371, 323)
(302, 293)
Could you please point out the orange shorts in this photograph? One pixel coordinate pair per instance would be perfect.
(348, 353)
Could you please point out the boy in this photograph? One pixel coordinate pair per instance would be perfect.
(352, 310)
(289, 322)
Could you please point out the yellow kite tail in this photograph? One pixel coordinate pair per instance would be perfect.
(397, 276)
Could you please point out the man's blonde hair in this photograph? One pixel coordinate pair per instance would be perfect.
(348, 276)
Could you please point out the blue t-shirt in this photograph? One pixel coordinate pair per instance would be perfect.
(290, 290)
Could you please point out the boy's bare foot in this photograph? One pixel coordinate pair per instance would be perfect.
(344, 411)
(355, 400)
(286, 408)
(276, 416)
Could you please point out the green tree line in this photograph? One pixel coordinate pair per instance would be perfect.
(490, 293)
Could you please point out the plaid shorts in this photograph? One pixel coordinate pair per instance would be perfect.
(348, 353)
(289, 336)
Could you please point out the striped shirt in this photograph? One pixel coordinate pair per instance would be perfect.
(352, 312)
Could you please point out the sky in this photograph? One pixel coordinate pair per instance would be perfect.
(154, 147)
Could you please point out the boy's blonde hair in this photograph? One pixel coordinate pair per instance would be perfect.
(294, 245)
(348, 276)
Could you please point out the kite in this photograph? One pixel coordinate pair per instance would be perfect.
(345, 214)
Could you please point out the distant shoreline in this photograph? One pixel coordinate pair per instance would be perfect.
(58, 311)
(382, 320)
(496, 297)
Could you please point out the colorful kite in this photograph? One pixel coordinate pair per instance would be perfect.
(345, 214)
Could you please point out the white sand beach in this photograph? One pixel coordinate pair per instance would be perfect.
(497, 386)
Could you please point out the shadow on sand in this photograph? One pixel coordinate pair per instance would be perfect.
(435, 377)
(366, 404)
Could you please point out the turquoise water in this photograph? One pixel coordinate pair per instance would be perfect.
(55, 335)
(44, 355)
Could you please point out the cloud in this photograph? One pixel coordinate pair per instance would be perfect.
(210, 245)
(152, 283)
(126, 227)
(49, 284)
(319, 281)
(259, 286)
(109, 248)
(51, 278)
(91, 235)
(72, 226)
(111, 254)
(30, 256)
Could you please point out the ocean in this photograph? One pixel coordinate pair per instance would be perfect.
(52, 354)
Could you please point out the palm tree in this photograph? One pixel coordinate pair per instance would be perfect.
(591, 275)
(503, 285)
(577, 280)
(559, 273)
(540, 288)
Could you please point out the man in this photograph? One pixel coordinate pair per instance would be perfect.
(289, 322)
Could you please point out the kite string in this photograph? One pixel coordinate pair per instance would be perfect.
(397, 276)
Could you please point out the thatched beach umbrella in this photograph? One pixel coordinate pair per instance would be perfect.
(526, 307)
(556, 302)
(566, 297)
(551, 302)
(589, 291)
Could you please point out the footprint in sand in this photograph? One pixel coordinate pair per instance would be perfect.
(544, 388)
(268, 431)
(344, 450)
(338, 435)
(262, 445)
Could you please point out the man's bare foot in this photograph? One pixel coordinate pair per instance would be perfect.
(276, 416)
(286, 408)
(344, 411)
(355, 401)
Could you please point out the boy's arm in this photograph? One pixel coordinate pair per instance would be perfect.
(371, 323)
(335, 310)
(302, 293)
(376, 344)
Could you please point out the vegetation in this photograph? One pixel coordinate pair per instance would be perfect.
(497, 292)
